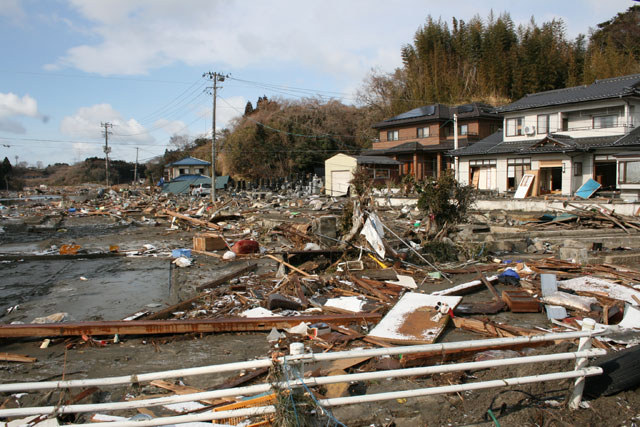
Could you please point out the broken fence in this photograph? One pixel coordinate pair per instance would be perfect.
(299, 360)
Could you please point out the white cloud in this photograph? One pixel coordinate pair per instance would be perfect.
(13, 105)
(12, 9)
(86, 123)
(335, 37)
(227, 109)
(172, 127)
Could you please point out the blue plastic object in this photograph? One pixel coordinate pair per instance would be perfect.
(177, 253)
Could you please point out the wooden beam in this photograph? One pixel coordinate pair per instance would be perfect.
(225, 278)
(192, 220)
(304, 273)
(11, 357)
(152, 327)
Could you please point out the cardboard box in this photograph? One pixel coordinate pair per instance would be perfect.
(207, 243)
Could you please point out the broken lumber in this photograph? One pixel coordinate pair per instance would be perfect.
(225, 278)
(12, 357)
(156, 327)
(194, 221)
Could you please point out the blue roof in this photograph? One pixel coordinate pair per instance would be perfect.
(190, 161)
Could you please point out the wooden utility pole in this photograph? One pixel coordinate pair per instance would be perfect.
(107, 150)
(215, 77)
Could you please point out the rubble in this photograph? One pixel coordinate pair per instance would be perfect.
(333, 274)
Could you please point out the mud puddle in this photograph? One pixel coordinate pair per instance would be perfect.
(86, 289)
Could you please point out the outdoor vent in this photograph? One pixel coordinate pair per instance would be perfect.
(529, 130)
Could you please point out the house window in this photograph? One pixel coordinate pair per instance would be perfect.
(577, 169)
(514, 126)
(423, 132)
(629, 172)
(184, 171)
(600, 122)
(381, 173)
(543, 124)
(464, 129)
(392, 135)
(516, 168)
(485, 162)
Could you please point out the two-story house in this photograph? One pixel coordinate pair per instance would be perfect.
(563, 137)
(420, 138)
(186, 166)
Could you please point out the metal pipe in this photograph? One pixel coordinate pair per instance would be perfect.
(460, 387)
(358, 399)
(260, 363)
(261, 388)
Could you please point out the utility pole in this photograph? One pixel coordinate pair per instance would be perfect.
(135, 169)
(215, 77)
(107, 150)
(456, 163)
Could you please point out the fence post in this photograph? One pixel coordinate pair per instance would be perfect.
(585, 344)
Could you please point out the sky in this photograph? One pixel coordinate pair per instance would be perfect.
(68, 66)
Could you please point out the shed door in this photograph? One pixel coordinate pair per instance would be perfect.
(340, 182)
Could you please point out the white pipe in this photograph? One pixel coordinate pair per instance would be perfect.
(467, 366)
(585, 344)
(356, 399)
(594, 370)
(261, 388)
(425, 348)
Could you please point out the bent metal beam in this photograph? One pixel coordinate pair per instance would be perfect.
(151, 327)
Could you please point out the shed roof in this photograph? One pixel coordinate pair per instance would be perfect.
(376, 160)
(600, 89)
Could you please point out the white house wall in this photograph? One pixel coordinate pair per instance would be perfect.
(580, 119)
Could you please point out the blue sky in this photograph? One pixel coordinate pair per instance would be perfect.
(69, 65)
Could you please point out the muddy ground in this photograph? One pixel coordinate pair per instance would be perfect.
(111, 288)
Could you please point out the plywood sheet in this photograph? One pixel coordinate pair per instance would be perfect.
(414, 320)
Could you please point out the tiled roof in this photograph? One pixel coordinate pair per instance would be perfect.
(494, 144)
(410, 147)
(601, 89)
(632, 138)
(439, 112)
(190, 161)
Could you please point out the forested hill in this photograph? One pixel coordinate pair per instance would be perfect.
(494, 61)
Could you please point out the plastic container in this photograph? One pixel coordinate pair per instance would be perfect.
(177, 253)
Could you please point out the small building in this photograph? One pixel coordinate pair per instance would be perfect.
(339, 171)
(186, 166)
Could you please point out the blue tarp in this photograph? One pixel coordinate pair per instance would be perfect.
(587, 189)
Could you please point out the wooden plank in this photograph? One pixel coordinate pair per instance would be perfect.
(194, 221)
(370, 288)
(151, 327)
(304, 273)
(225, 278)
(184, 389)
(11, 357)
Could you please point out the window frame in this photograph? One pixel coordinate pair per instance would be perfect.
(466, 130)
(547, 123)
(395, 135)
(518, 126)
(420, 132)
(600, 117)
(577, 169)
(381, 174)
(623, 167)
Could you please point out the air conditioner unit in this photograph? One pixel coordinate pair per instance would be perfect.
(529, 130)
